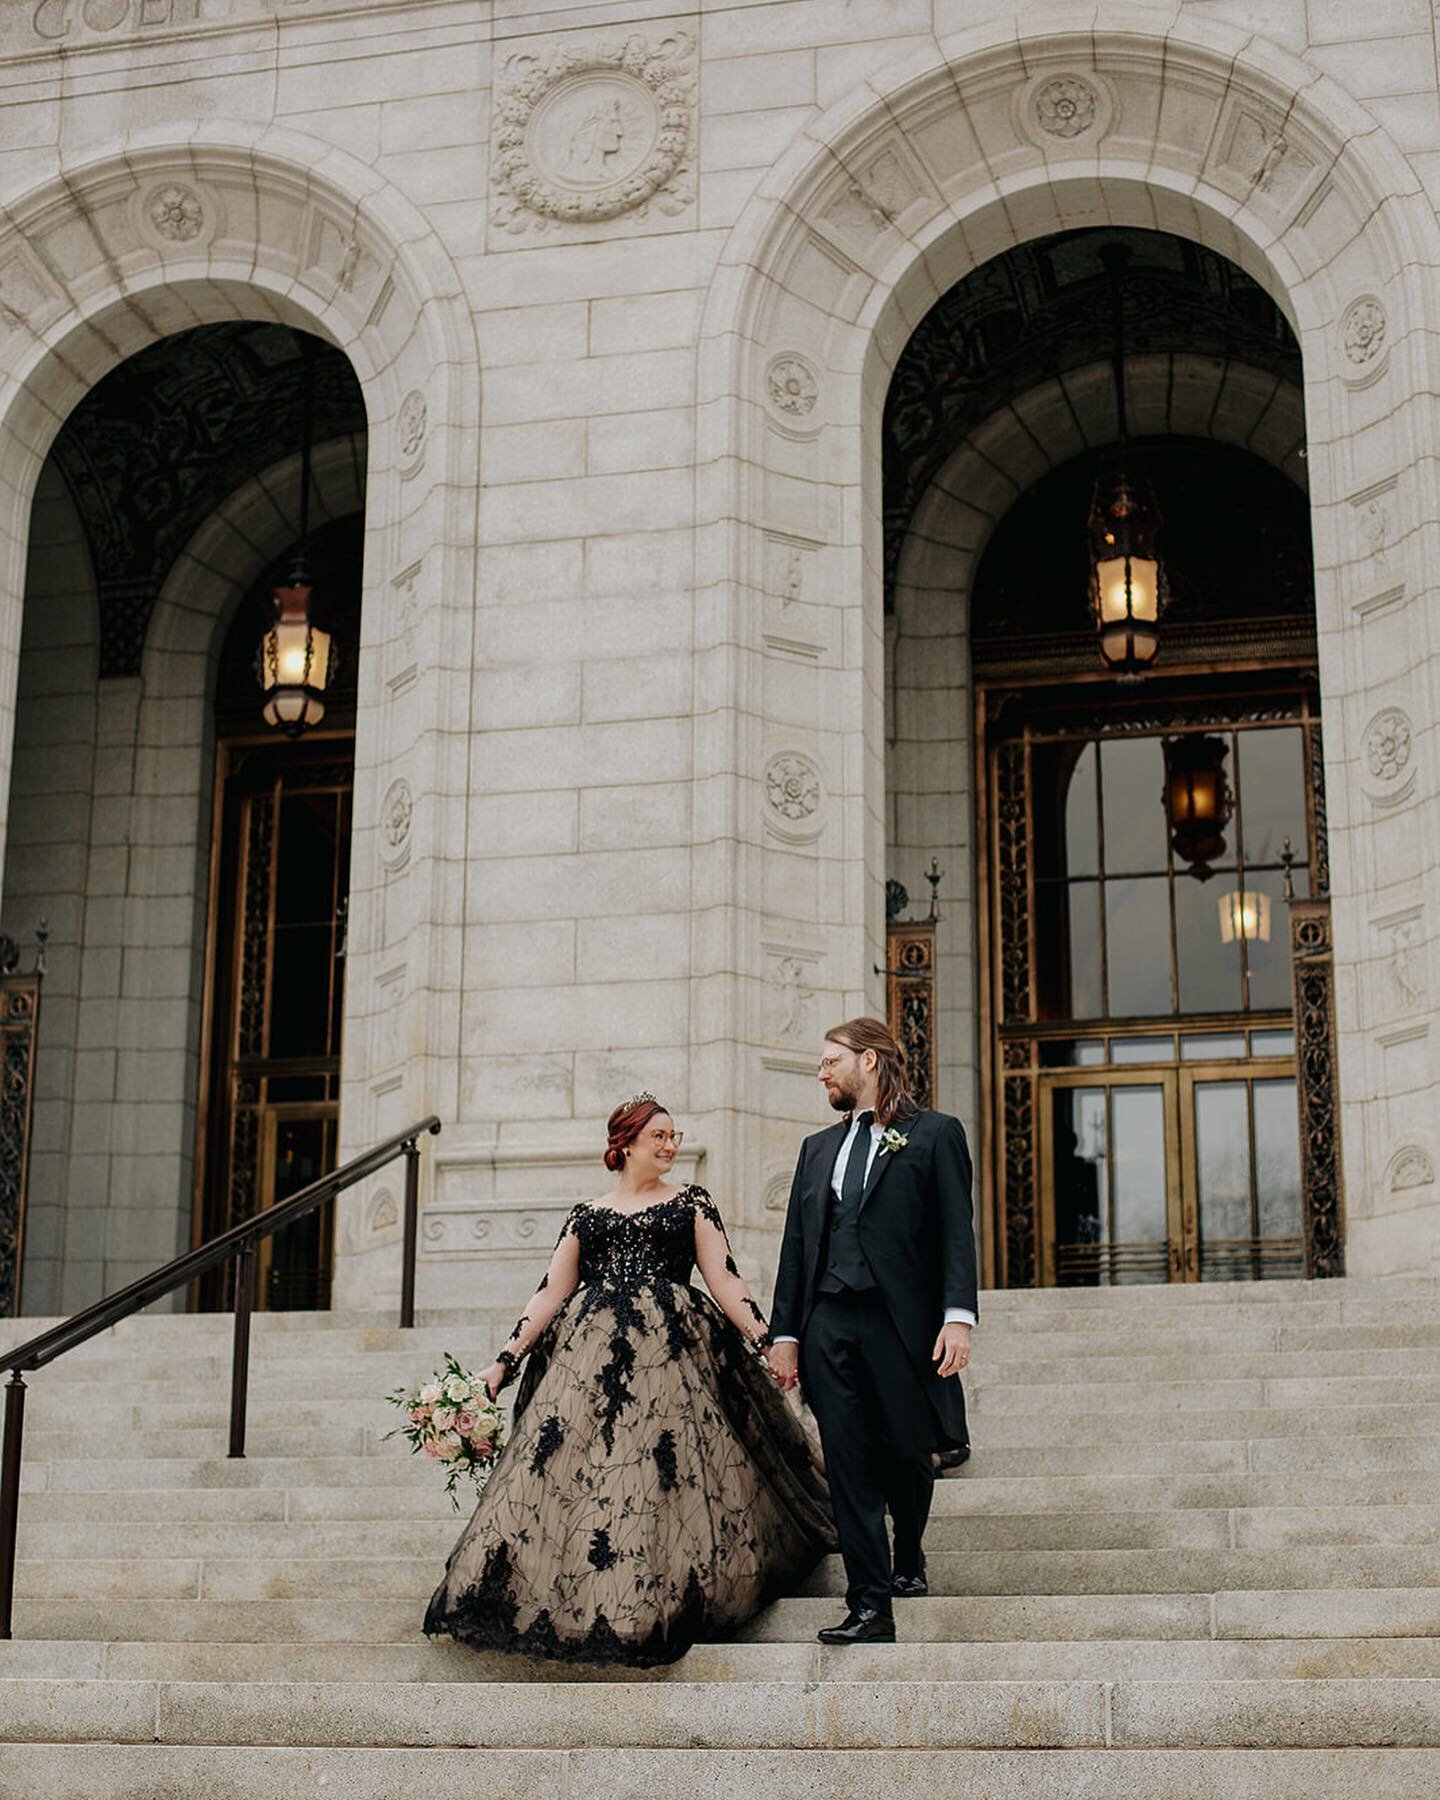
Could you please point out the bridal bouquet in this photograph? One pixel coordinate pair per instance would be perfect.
(453, 1421)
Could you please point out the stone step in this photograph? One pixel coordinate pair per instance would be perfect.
(444, 1660)
(434, 1533)
(995, 1375)
(1381, 1712)
(220, 1471)
(1180, 1458)
(961, 1492)
(1143, 1398)
(988, 1572)
(1323, 1614)
(364, 1426)
(362, 1431)
(958, 1496)
(220, 1772)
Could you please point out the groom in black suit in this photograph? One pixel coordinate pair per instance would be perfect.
(875, 1298)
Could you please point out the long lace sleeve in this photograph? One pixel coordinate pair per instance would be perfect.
(724, 1280)
(556, 1286)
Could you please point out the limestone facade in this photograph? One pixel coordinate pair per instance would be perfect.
(623, 287)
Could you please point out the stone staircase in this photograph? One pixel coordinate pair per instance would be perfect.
(1196, 1554)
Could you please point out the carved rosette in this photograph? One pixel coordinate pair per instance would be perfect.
(411, 427)
(1365, 341)
(587, 132)
(1065, 107)
(793, 793)
(173, 215)
(397, 813)
(1387, 751)
(1057, 109)
(792, 386)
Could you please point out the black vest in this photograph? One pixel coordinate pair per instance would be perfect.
(844, 1264)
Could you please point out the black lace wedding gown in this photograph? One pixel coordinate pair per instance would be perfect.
(655, 1490)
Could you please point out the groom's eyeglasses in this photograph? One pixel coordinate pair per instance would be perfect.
(827, 1063)
(660, 1138)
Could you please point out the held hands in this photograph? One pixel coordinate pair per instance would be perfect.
(783, 1361)
(952, 1349)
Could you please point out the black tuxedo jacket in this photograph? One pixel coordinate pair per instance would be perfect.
(917, 1230)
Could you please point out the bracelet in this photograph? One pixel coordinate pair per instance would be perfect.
(509, 1362)
(764, 1341)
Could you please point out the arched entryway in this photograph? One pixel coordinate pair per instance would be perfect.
(890, 200)
(273, 241)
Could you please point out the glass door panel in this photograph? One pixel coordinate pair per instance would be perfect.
(1241, 1175)
(1109, 1158)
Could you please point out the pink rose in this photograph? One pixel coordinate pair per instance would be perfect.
(443, 1418)
(464, 1423)
(419, 1414)
(431, 1449)
(481, 1447)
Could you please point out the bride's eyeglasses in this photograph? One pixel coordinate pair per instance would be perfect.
(661, 1138)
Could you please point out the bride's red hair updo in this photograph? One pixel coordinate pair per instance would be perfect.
(625, 1124)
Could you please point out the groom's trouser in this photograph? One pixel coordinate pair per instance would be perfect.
(876, 1429)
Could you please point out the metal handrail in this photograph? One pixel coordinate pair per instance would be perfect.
(239, 1242)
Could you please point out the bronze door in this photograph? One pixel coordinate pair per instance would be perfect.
(275, 1001)
(1184, 1170)
(1142, 1075)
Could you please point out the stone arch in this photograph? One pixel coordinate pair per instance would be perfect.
(1175, 123)
(928, 749)
(246, 222)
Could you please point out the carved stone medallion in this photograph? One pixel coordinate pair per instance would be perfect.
(793, 794)
(1389, 741)
(397, 812)
(414, 420)
(793, 385)
(586, 133)
(1410, 1167)
(1365, 339)
(1065, 107)
(175, 213)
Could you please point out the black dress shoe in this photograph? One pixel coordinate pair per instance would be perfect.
(863, 1627)
(951, 1459)
(909, 1587)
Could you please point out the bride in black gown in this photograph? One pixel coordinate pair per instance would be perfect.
(655, 1490)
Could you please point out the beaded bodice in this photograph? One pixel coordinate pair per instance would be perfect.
(628, 1250)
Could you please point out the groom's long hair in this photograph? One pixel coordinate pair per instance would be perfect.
(893, 1097)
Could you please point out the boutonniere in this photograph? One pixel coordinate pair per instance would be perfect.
(892, 1140)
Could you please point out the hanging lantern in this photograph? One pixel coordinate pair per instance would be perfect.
(1127, 575)
(295, 662)
(1244, 916)
(1197, 800)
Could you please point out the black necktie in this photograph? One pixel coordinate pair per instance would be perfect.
(852, 1184)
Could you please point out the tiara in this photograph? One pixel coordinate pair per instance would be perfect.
(643, 1098)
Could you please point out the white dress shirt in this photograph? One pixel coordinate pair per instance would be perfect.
(954, 1315)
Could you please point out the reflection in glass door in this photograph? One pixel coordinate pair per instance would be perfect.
(1188, 1173)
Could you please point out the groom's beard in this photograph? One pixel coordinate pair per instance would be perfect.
(844, 1101)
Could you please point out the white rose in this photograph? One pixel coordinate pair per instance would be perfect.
(442, 1418)
(456, 1387)
(429, 1394)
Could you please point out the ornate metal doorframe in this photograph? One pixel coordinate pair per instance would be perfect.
(19, 1026)
(1013, 1067)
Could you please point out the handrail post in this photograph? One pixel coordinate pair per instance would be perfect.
(240, 1367)
(412, 1225)
(10, 1498)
